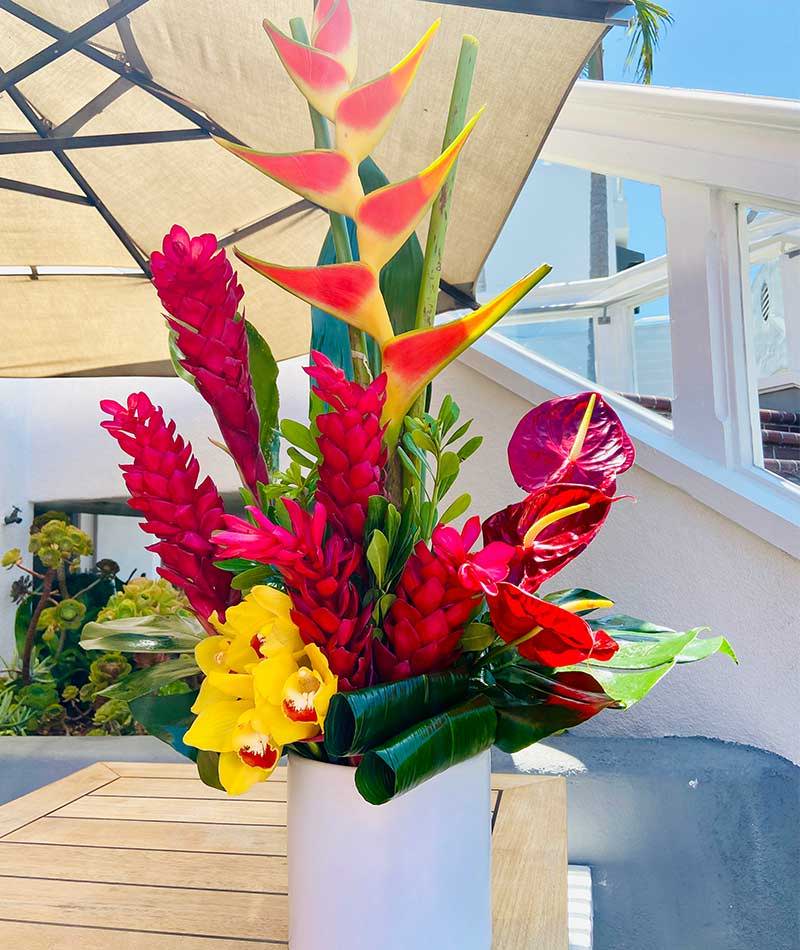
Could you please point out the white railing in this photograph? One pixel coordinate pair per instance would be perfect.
(713, 156)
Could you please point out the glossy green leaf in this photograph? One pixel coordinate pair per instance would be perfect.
(470, 447)
(364, 718)
(426, 749)
(701, 649)
(151, 678)
(251, 577)
(237, 564)
(175, 357)
(167, 718)
(208, 769)
(378, 556)
(173, 634)
(563, 598)
(477, 636)
(459, 506)
(628, 686)
(643, 643)
(264, 376)
(299, 435)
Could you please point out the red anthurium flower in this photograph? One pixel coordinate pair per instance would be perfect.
(350, 443)
(577, 439)
(543, 632)
(201, 293)
(550, 528)
(438, 593)
(163, 481)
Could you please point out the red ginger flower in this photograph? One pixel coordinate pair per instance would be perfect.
(437, 594)
(350, 443)
(200, 291)
(328, 607)
(162, 480)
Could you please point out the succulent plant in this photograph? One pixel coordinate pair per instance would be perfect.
(11, 557)
(143, 597)
(56, 542)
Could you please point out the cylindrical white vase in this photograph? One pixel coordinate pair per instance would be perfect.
(413, 874)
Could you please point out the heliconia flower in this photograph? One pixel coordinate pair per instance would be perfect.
(326, 177)
(386, 217)
(577, 439)
(321, 78)
(163, 482)
(333, 32)
(350, 441)
(437, 594)
(365, 113)
(550, 528)
(319, 572)
(412, 359)
(348, 291)
(544, 632)
(200, 292)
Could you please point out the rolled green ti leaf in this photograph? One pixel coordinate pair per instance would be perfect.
(426, 750)
(208, 769)
(173, 634)
(151, 679)
(362, 719)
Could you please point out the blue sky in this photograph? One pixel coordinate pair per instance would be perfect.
(726, 45)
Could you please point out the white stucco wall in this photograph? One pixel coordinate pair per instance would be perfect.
(667, 558)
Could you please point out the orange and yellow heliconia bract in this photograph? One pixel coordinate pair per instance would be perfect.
(384, 219)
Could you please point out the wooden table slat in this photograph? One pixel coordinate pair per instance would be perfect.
(231, 812)
(30, 936)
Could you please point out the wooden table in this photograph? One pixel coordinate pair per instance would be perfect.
(134, 856)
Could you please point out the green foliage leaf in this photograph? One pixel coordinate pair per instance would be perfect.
(264, 377)
(173, 634)
(251, 577)
(426, 750)
(300, 435)
(457, 509)
(22, 619)
(237, 564)
(175, 357)
(477, 636)
(208, 769)
(574, 594)
(378, 556)
(167, 718)
(151, 678)
(470, 447)
(361, 719)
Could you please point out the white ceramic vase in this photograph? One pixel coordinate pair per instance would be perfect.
(413, 874)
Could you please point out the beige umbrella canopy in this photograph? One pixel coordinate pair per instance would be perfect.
(105, 114)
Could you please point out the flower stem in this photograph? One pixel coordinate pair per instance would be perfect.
(30, 633)
(341, 237)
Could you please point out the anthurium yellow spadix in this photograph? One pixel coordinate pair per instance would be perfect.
(326, 177)
(333, 31)
(321, 78)
(348, 291)
(386, 217)
(412, 359)
(364, 114)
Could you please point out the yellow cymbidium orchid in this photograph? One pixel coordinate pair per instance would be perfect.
(263, 689)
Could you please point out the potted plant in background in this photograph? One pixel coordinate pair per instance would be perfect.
(345, 619)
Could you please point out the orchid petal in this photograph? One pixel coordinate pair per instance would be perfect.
(412, 359)
(364, 114)
(348, 291)
(326, 177)
(386, 217)
(333, 32)
(577, 439)
(321, 78)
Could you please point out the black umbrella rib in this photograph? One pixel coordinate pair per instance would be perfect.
(67, 41)
(53, 143)
(26, 188)
(135, 76)
(94, 199)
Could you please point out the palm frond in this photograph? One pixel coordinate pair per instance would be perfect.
(645, 31)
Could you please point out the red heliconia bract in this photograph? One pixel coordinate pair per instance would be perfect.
(201, 293)
(577, 439)
(557, 543)
(182, 514)
(437, 594)
(351, 446)
(319, 572)
(543, 632)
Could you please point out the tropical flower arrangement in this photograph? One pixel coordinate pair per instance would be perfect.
(344, 617)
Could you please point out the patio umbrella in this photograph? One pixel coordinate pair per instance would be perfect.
(106, 109)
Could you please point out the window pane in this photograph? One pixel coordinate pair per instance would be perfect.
(603, 312)
(772, 268)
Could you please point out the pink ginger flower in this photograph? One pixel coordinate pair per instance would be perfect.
(319, 573)
(163, 482)
(437, 595)
(200, 291)
(351, 445)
